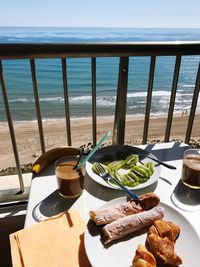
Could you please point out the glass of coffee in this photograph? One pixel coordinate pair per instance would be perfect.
(186, 195)
(191, 168)
(70, 180)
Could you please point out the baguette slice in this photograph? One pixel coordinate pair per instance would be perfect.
(110, 214)
(130, 224)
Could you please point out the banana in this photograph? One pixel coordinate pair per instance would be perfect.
(51, 155)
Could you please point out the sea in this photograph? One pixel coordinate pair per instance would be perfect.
(49, 75)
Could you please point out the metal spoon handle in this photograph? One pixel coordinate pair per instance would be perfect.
(129, 192)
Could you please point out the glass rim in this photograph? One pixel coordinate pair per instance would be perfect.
(59, 160)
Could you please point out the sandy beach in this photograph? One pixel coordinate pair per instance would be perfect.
(28, 143)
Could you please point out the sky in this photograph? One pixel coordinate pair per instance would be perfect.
(100, 13)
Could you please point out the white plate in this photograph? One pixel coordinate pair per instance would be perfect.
(121, 253)
(114, 151)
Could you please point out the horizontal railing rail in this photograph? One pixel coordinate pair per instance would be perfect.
(60, 50)
(123, 51)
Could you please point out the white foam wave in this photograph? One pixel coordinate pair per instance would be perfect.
(42, 99)
(20, 100)
(106, 102)
(80, 99)
(160, 100)
(188, 85)
(51, 99)
(154, 94)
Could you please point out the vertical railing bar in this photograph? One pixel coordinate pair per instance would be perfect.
(11, 129)
(120, 108)
(193, 107)
(66, 101)
(172, 98)
(94, 113)
(149, 98)
(37, 105)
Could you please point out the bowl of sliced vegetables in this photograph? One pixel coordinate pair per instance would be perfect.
(128, 164)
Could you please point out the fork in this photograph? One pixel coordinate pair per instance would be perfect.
(103, 173)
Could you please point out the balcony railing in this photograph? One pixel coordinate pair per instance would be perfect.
(123, 51)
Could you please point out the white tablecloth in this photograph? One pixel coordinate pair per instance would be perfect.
(45, 201)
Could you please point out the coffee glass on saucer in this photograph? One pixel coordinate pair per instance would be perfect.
(70, 179)
(187, 195)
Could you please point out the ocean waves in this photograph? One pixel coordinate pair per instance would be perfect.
(101, 100)
(49, 74)
(136, 103)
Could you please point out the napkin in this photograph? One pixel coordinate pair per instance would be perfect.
(57, 242)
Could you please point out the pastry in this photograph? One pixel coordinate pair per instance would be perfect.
(130, 224)
(110, 214)
(143, 258)
(165, 229)
(163, 249)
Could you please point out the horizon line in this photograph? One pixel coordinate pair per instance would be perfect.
(106, 27)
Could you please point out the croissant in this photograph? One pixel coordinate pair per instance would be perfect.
(165, 229)
(163, 249)
(143, 258)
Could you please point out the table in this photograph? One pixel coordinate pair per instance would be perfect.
(44, 196)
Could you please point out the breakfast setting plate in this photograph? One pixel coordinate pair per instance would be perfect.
(119, 152)
(121, 252)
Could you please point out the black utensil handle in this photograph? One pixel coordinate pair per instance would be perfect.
(162, 163)
(80, 156)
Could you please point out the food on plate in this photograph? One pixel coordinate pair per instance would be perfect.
(161, 241)
(143, 258)
(129, 171)
(163, 249)
(51, 155)
(165, 229)
(131, 223)
(149, 200)
(110, 214)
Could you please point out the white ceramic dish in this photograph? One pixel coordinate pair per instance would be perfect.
(114, 152)
(121, 253)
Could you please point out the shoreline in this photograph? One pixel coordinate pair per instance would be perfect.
(101, 117)
(28, 143)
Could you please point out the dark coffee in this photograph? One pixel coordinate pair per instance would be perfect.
(70, 182)
(191, 171)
